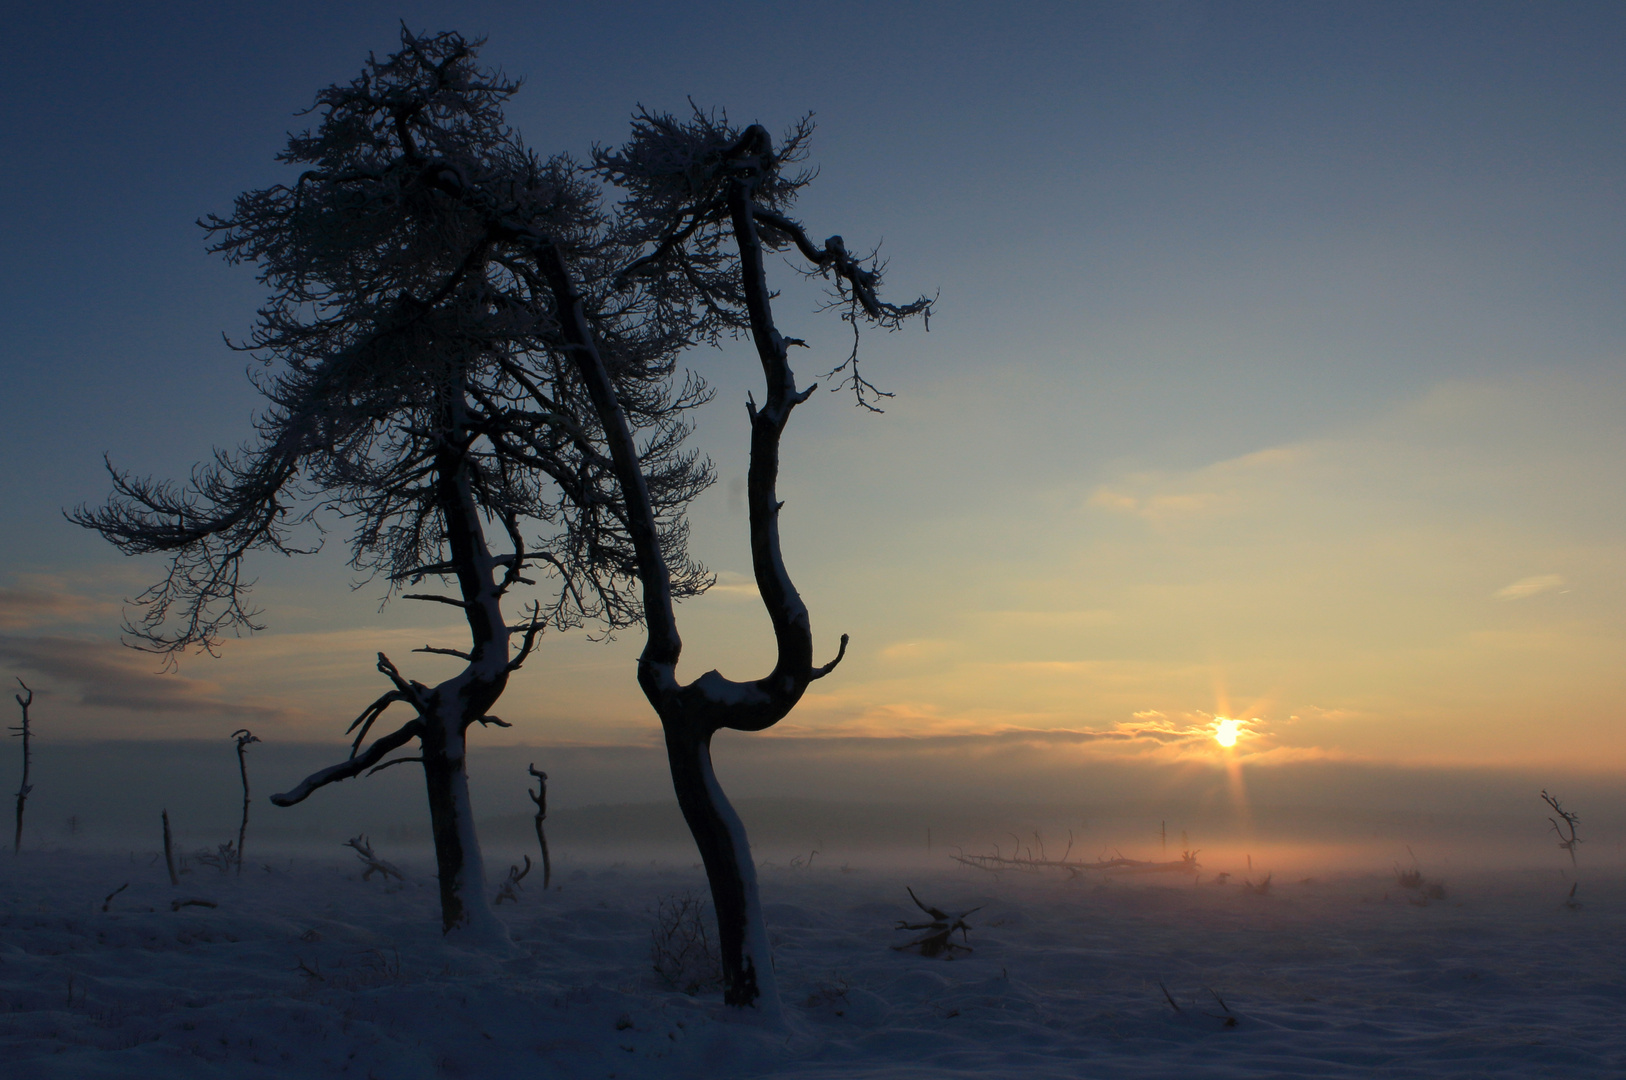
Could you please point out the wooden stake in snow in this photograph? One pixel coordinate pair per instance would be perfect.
(540, 798)
(169, 853)
(243, 737)
(24, 732)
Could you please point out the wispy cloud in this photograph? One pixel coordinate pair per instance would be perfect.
(1147, 732)
(1224, 487)
(925, 649)
(1154, 507)
(38, 600)
(732, 585)
(103, 675)
(1525, 588)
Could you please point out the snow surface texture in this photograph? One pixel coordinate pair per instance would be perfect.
(304, 970)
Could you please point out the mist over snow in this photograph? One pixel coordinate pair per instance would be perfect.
(863, 800)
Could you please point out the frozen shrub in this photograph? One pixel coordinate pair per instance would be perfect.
(680, 951)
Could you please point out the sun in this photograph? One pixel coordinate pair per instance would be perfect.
(1225, 731)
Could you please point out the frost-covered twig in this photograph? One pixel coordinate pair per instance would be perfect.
(108, 899)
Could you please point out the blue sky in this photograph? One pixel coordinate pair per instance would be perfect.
(1276, 343)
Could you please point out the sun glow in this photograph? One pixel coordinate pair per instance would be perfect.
(1225, 731)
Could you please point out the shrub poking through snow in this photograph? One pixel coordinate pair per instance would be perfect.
(223, 858)
(1413, 881)
(937, 940)
(680, 950)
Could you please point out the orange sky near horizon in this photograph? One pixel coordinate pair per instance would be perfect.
(1361, 596)
(1277, 373)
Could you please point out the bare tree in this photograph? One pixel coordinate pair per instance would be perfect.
(417, 394)
(244, 737)
(25, 732)
(703, 203)
(1568, 839)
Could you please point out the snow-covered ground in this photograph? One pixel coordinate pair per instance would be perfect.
(304, 970)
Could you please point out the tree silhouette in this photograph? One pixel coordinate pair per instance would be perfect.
(416, 395)
(703, 203)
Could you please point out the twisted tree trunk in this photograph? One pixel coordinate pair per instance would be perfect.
(691, 714)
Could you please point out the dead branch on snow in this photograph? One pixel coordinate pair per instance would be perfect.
(375, 865)
(939, 932)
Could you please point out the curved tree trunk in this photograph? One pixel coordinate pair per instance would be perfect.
(691, 714)
(748, 976)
